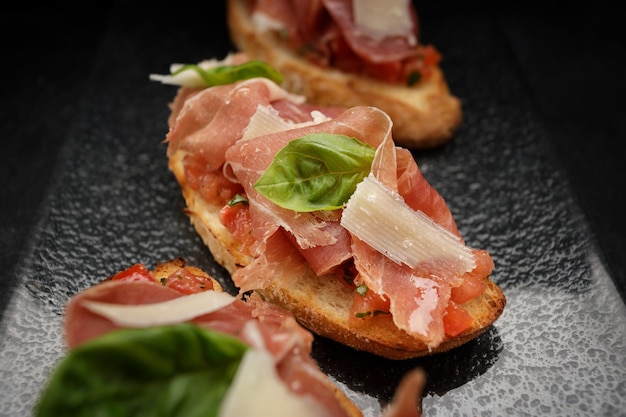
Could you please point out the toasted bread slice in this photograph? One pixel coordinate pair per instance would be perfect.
(424, 115)
(322, 304)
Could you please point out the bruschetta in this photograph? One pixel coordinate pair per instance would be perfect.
(170, 342)
(319, 211)
(349, 53)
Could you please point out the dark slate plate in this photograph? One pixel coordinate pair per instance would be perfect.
(559, 349)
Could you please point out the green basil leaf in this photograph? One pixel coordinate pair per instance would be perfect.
(316, 172)
(228, 74)
(178, 370)
(238, 199)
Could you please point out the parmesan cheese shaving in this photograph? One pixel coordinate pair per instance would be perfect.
(383, 220)
(265, 121)
(380, 19)
(174, 311)
(258, 391)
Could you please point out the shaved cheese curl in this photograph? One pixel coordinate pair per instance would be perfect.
(380, 217)
(159, 314)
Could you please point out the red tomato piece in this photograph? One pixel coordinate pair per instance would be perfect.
(237, 220)
(471, 287)
(368, 305)
(431, 56)
(212, 185)
(455, 319)
(137, 272)
(186, 282)
(474, 281)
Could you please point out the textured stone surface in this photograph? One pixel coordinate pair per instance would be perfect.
(559, 349)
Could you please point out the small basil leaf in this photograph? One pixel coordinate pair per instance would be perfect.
(228, 74)
(179, 370)
(238, 199)
(316, 172)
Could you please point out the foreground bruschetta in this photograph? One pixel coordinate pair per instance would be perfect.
(169, 342)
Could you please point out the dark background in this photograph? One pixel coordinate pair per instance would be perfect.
(571, 61)
(543, 92)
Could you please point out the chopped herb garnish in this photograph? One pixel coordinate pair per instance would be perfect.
(361, 289)
(228, 74)
(363, 314)
(414, 78)
(238, 199)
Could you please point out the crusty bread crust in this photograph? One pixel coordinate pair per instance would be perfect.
(167, 268)
(322, 304)
(424, 115)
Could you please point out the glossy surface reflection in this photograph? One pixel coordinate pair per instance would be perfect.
(559, 349)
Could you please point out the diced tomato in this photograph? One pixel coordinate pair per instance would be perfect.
(474, 282)
(186, 282)
(237, 220)
(137, 272)
(472, 286)
(368, 305)
(388, 72)
(421, 68)
(431, 56)
(344, 58)
(195, 167)
(455, 319)
(340, 55)
(393, 72)
(212, 185)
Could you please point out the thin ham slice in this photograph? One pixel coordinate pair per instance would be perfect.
(314, 235)
(82, 324)
(329, 23)
(396, 168)
(211, 120)
(207, 122)
(278, 254)
(324, 258)
(255, 322)
(418, 296)
(419, 194)
(388, 49)
(211, 123)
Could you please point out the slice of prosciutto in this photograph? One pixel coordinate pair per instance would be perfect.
(316, 234)
(208, 121)
(329, 33)
(213, 123)
(255, 322)
(418, 296)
